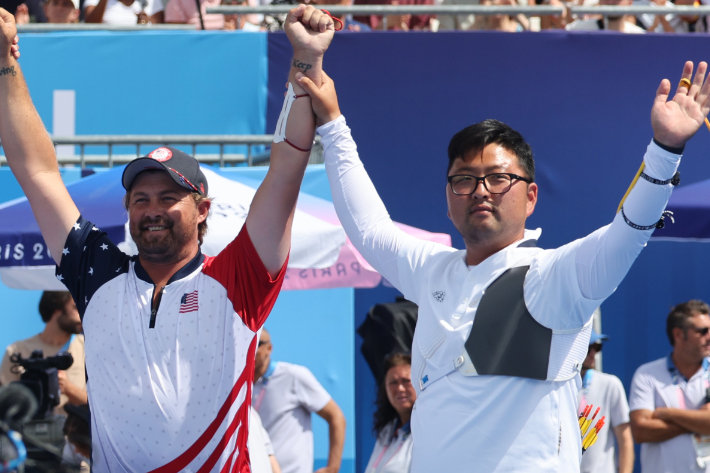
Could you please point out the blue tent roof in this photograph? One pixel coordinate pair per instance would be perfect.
(99, 197)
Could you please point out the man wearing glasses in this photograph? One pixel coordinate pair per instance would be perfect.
(503, 325)
(670, 414)
(605, 391)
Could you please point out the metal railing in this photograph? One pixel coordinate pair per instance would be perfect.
(111, 158)
(540, 10)
(397, 9)
(49, 27)
(640, 10)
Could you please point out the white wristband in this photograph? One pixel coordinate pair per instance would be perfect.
(280, 133)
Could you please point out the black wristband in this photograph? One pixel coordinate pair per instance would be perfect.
(668, 148)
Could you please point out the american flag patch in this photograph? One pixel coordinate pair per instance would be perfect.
(188, 302)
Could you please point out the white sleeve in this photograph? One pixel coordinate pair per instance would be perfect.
(619, 408)
(153, 7)
(641, 396)
(309, 392)
(364, 216)
(568, 283)
(605, 257)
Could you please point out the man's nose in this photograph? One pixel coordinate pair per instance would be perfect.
(480, 190)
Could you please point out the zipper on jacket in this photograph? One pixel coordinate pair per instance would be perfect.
(154, 310)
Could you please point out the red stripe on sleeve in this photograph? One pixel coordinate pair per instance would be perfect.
(249, 286)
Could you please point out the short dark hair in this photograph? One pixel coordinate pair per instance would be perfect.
(679, 315)
(384, 412)
(476, 137)
(52, 301)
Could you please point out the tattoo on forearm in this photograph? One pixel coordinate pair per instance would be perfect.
(300, 65)
(8, 70)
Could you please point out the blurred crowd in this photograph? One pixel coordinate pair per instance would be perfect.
(129, 12)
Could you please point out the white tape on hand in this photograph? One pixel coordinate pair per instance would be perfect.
(280, 133)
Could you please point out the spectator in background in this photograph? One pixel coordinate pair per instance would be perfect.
(501, 22)
(261, 450)
(285, 395)
(668, 399)
(62, 332)
(27, 11)
(611, 23)
(395, 400)
(606, 391)
(241, 22)
(61, 11)
(670, 23)
(77, 430)
(349, 24)
(399, 22)
(123, 12)
(185, 12)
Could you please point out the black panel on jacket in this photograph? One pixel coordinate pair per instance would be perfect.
(505, 339)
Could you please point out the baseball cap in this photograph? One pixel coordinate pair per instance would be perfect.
(597, 337)
(181, 167)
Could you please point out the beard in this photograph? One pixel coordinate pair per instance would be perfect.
(163, 249)
(68, 325)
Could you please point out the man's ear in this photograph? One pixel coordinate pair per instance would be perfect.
(203, 209)
(532, 198)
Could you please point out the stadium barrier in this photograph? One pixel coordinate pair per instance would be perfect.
(50, 27)
(221, 158)
(541, 10)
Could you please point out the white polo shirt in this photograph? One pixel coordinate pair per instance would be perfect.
(285, 397)
(658, 384)
(494, 423)
(606, 392)
(393, 450)
(169, 388)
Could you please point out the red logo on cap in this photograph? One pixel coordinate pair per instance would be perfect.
(161, 154)
(202, 187)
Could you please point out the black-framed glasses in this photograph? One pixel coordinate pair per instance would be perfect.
(496, 183)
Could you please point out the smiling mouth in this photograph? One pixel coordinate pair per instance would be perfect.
(155, 228)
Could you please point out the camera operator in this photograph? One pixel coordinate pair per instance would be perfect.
(62, 333)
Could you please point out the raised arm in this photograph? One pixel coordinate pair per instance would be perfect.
(271, 214)
(29, 150)
(357, 203)
(601, 260)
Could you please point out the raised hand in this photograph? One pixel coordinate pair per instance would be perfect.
(675, 121)
(8, 36)
(309, 30)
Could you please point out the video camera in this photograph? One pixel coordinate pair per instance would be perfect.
(43, 431)
(41, 378)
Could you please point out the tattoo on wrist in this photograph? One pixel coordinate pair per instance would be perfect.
(8, 70)
(301, 65)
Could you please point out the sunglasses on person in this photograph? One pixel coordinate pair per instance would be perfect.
(701, 331)
(595, 346)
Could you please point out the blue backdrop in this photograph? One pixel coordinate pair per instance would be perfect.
(582, 100)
